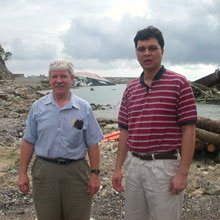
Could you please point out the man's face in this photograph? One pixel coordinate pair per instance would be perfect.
(60, 81)
(149, 54)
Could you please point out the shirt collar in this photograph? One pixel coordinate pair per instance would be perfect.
(72, 103)
(49, 99)
(157, 76)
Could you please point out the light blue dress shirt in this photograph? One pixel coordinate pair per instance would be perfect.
(56, 132)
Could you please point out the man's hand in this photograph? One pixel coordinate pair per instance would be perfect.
(178, 183)
(23, 183)
(93, 184)
(116, 181)
(27, 151)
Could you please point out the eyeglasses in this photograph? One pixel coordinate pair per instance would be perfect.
(151, 48)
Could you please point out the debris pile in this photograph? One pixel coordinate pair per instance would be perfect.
(207, 89)
(208, 137)
(202, 197)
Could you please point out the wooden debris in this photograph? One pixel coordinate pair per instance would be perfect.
(208, 124)
(208, 137)
(200, 145)
(205, 94)
(207, 88)
(211, 148)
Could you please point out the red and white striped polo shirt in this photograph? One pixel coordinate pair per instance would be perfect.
(154, 115)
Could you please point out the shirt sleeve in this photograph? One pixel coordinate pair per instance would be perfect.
(186, 109)
(30, 134)
(93, 133)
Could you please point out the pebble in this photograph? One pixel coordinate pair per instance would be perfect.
(202, 197)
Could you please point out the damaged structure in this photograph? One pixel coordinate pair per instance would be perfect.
(207, 89)
(89, 79)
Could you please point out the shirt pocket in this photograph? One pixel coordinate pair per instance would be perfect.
(73, 132)
(75, 136)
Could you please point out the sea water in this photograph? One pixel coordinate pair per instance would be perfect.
(112, 95)
(103, 95)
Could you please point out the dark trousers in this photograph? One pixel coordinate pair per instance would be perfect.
(60, 191)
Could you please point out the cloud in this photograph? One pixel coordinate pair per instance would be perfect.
(191, 29)
(99, 38)
(98, 35)
(191, 33)
(23, 51)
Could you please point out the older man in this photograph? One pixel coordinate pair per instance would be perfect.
(61, 129)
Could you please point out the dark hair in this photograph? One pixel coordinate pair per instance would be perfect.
(149, 32)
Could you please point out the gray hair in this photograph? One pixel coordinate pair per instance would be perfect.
(61, 64)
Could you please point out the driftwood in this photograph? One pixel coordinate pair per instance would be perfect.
(201, 90)
(211, 148)
(207, 134)
(205, 94)
(208, 124)
(208, 137)
(206, 89)
(200, 145)
(209, 100)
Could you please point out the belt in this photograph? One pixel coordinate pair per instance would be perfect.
(157, 156)
(60, 161)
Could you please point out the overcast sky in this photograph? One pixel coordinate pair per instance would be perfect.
(97, 35)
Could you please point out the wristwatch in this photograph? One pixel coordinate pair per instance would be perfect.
(96, 171)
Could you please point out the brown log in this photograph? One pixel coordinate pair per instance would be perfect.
(208, 137)
(208, 124)
(211, 148)
(200, 145)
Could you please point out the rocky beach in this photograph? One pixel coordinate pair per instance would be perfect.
(202, 197)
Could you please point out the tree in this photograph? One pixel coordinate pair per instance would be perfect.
(4, 55)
